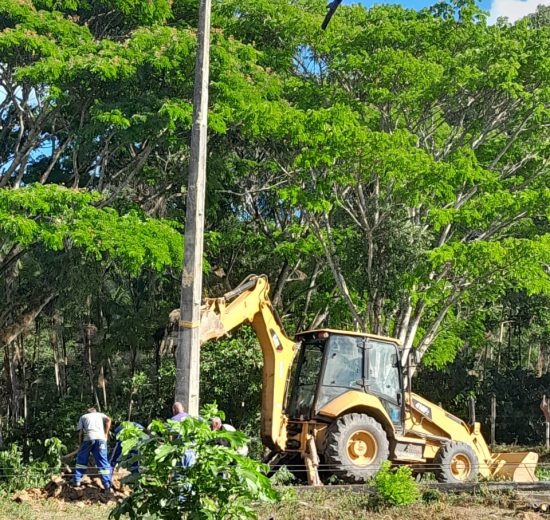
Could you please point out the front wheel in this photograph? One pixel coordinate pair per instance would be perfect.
(356, 447)
(456, 463)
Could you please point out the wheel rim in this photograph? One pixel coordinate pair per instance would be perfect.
(362, 448)
(461, 467)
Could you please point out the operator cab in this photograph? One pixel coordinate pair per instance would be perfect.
(331, 363)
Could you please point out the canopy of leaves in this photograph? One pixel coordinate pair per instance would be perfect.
(60, 219)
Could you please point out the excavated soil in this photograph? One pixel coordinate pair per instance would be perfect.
(90, 490)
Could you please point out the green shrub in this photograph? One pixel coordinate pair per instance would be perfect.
(431, 495)
(11, 466)
(282, 477)
(17, 474)
(53, 449)
(542, 474)
(219, 484)
(393, 487)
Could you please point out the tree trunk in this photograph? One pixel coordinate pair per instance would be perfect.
(54, 341)
(89, 334)
(23, 365)
(334, 264)
(65, 360)
(280, 283)
(309, 295)
(14, 383)
(402, 323)
(103, 384)
(411, 331)
(24, 320)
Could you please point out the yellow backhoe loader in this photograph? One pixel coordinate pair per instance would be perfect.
(338, 398)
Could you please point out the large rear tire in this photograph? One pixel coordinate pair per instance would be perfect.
(456, 463)
(356, 446)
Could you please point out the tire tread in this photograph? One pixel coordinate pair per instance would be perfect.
(443, 462)
(336, 435)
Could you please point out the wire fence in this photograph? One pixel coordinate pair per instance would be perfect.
(427, 466)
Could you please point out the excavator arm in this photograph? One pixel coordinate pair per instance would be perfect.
(250, 303)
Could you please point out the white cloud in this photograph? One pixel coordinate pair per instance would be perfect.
(513, 9)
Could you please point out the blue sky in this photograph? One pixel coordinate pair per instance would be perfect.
(513, 9)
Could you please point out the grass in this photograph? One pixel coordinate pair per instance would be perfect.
(301, 505)
(324, 505)
(51, 510)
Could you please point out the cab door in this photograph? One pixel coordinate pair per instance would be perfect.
(384, 378)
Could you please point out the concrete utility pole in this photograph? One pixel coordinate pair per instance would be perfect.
(188, 349)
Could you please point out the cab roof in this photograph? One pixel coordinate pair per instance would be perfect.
(351, 333)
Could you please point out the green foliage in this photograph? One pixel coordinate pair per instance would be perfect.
(283, 476)
(219, 484)
(231, 375)
(393, 487)
(431, 496)
(53, 450)
(543, 473)
(17, 473)
(402, 152)
(11, 462)
(61, 219)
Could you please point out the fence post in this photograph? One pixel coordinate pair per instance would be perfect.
(472, 410)
(493, 418)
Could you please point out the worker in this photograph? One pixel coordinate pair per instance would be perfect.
(117, 451)
(180, 414)
(93, 431)
(217, 425)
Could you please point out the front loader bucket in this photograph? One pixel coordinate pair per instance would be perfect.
(519, 467)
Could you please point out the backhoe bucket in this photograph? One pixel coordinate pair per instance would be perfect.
(519, 467)
(211, 326)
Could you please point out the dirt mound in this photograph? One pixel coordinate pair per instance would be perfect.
(90, 490)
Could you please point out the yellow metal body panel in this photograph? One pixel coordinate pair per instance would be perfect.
(219, 317)
(431, 422)
(430, 426)
(354, 400)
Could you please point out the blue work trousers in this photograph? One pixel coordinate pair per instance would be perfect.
(99, 451)
(187, 461)
(116, 457)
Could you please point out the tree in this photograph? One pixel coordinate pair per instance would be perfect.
(389, 174)
(98, 97)
(420, 145)
(50, 239)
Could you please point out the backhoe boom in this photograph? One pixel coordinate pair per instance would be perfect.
(250, 302)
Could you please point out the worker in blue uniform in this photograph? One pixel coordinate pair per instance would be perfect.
(93, 431)
(116, 454)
